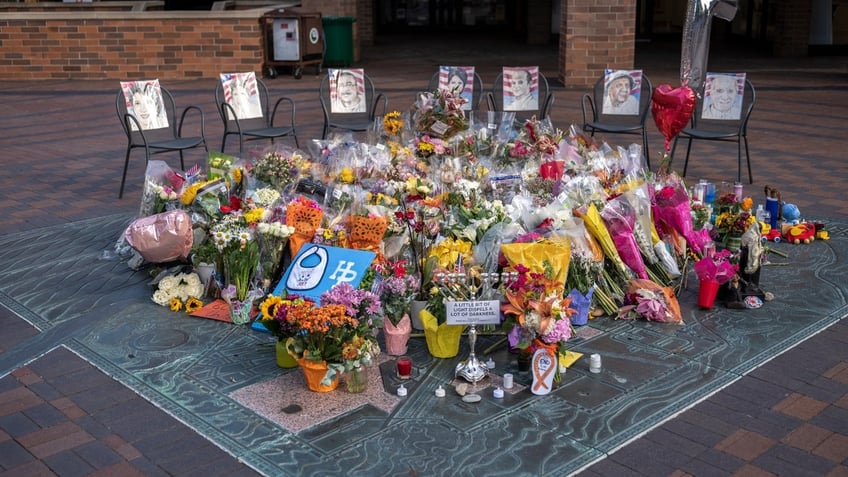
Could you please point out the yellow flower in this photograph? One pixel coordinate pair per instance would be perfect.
(346, 175)
(747, 203)
(190, 193)
(175, 304)
(449, 250)
(237, 175)
(254, 215)
(269, 307)
(192, 305)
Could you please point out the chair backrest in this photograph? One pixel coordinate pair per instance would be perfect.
(704, 119)
(599, 94)
(370, 97)
(545, 97)
(131, 123)
(228, 113)
(476, 93)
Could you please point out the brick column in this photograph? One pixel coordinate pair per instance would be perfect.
(792, 20)
(595, 36)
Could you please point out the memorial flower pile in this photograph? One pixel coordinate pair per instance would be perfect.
(439, 190)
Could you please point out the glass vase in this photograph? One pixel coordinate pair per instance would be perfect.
(356, 380)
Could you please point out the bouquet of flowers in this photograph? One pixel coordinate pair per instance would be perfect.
(275, 314)
(179, 290)
(440, 113)
(239, 255)
(332, 332)
(653, 302)
(716, 267)
(279, 168)
(536, 314)
(396, 288)
(734, 216)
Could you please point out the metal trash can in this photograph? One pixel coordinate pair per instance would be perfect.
(294, 38)
(339, 38)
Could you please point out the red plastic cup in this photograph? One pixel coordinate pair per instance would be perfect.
(707, 292)
(404, 367)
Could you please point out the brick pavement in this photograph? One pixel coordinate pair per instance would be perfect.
(63, 151)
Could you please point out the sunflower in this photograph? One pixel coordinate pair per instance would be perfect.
(193, 304)
(175, 304)
(270, 307)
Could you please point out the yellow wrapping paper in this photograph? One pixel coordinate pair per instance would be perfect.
(442, 340)
(595, 225)
(535, 256)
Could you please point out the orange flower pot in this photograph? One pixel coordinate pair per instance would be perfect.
(314, 373)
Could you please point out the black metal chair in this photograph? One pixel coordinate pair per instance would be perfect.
(730, 130)
(595, 121)
(160, 140)
(264, 127)
(476, 93)
(375, 106)
(495, 99)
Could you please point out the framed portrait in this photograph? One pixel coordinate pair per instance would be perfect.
(723, 94)
(347, 90)
(241, 92)
(144, 102)
(459, 79)
(622, 92)
(521, 88)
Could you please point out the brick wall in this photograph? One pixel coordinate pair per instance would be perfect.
(595, 36)
(107, 45)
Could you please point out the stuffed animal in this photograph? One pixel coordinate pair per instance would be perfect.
(805, 232)
(791, 214)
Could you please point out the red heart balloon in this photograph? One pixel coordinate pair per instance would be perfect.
(672, 109)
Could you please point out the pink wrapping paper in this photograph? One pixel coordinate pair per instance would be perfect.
(161, 237)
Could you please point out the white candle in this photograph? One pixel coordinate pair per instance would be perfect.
(507, 381)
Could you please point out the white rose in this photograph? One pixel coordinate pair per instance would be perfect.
(160, 297)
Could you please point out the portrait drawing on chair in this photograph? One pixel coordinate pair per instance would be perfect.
(144, 101)
(459, 80)
(622, 89)
(521, 88)
(347, 90)
(241, 93)
(723, 96)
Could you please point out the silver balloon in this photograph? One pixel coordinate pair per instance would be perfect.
(696, 38)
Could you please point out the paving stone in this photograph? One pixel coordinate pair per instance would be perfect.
(833, 418)
(45, 415)
(786, 460)
(68, 464)
(34, 468)
(806, 437)
(834, 448)
(744, 444)
(687, 430)
(17, 424)
(13, 455)
(98, 454)
(800, 406)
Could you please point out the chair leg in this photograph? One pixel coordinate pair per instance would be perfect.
(124, 176)
(739, 160)
(645, 146)
(671, 153)
(224, 142)
(182, 164)
(296, 142)
(241, 145)
(688, 150)
(748, 158)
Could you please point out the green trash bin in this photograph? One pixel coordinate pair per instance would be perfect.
(338, 38)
